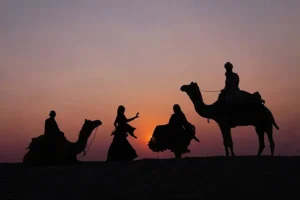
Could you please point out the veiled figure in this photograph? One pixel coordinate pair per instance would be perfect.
(175, 136)
(120, 149)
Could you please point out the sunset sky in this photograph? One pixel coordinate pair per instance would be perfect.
(85, 58)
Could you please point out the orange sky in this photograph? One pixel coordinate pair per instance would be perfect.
(85, 59)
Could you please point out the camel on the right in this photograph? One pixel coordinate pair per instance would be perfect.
(249, 111)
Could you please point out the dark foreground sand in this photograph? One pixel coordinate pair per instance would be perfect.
(187, 178)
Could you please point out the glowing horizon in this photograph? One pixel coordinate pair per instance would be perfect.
(84, 59)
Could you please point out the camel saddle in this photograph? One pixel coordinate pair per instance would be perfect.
(248, 98)
(244, 98)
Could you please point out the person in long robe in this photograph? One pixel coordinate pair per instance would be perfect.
(179, 125)
(51, 127)
(231, 90)
(174, 136)
(120, 149)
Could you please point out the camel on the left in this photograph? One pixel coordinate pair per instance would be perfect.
(63, 152)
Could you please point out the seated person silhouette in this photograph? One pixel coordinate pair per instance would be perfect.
(121, 122)
(52, 130)
(231, 90)
(178, 123)
(232, 94)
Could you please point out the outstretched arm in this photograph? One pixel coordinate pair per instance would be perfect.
(130, 119)
(133, 118)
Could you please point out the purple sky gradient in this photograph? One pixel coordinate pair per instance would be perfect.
(84, 58)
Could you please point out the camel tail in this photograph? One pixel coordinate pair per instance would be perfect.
(276, 126)
(273, 120)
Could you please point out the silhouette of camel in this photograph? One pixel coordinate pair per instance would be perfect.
(244, 114)
(65, 152)
(163, 139)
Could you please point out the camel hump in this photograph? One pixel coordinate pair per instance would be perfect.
(251, 97)
(257, 95)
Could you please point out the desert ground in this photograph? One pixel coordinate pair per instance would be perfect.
(186, 178)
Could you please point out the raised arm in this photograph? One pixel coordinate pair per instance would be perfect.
(133, 118)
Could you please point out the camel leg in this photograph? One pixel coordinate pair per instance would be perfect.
(230, 143)
(261, 134)
(226, 138)
(269, 132)
(177, 155)
(231, 150)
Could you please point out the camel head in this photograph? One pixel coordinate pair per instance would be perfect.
(193, 92)
(88, 127)
(190, 89)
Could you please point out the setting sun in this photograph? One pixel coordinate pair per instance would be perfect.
(85, 65)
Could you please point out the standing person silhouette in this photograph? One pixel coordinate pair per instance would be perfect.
(120, 149)
(122, 122)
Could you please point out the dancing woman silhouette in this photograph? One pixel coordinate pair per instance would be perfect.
(120, 149)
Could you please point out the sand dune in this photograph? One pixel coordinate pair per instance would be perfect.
(187, 178)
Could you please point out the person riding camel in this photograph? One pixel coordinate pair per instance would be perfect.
(179, 123)
(51, 128)
(178, 118)
(231, 89)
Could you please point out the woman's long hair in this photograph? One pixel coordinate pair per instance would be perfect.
(121, 110)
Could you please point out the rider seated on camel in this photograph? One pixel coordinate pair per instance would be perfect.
(179, 123)
(231, 90)
(52, 130)
(232, 94)
(178, 119)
